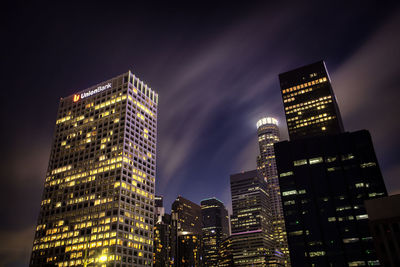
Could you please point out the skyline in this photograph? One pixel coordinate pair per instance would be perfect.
(227, 73)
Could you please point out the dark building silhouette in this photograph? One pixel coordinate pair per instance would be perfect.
(186, 232)
(309, 102)
(215, 229)
(384, 221)
(324, 181)
(162, 241)
(162, 235)
(251, 221)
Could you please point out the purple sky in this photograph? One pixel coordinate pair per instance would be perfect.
(215, 68)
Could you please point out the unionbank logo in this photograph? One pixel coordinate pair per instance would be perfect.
(91, 92)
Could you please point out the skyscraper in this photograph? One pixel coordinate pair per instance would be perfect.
(309, 102)
(325, 174)
(324, 181)
(186, 232)
(268, 135)
(98, 200)
(252, 243)
(215, 229)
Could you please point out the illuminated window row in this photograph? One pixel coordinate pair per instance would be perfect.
(312, 122)
(69, 119)
(304, 120)
(63, 181)
(114, 99)
(304, 85)
(308, 102)
(298, 93)
(133, 189)
(74, 123)
(82, 175)
(319, 105)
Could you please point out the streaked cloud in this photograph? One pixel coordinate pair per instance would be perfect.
(367, 86)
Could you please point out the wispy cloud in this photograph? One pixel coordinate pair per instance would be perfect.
(224, 76)
(367, 86)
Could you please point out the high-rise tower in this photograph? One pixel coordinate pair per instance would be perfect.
(186, 232)
(324, 182)
(251, 221)
(325, 175)
(268, 134)
(215, 229)
(98, 201)
(309, 102)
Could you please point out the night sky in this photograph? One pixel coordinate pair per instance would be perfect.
(215, 67)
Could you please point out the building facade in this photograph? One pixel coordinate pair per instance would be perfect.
(310, 104)
(98, 200)
(251, 221)
(186, 233)
(189, 250)
(162, 243)
(215, 229)
(324, 181)
(384, 222)
(162, 235)
(225, 258)
(268, 135)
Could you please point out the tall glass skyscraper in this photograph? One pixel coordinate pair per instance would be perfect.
(251, 221)
(268, 135)
(98, 200)
(324, 182)
(310, 104)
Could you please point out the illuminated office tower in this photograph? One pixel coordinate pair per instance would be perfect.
(268, 134)
(309, 102)
(215, 229)
(251, 222)
(98, 201)
(186, 232)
